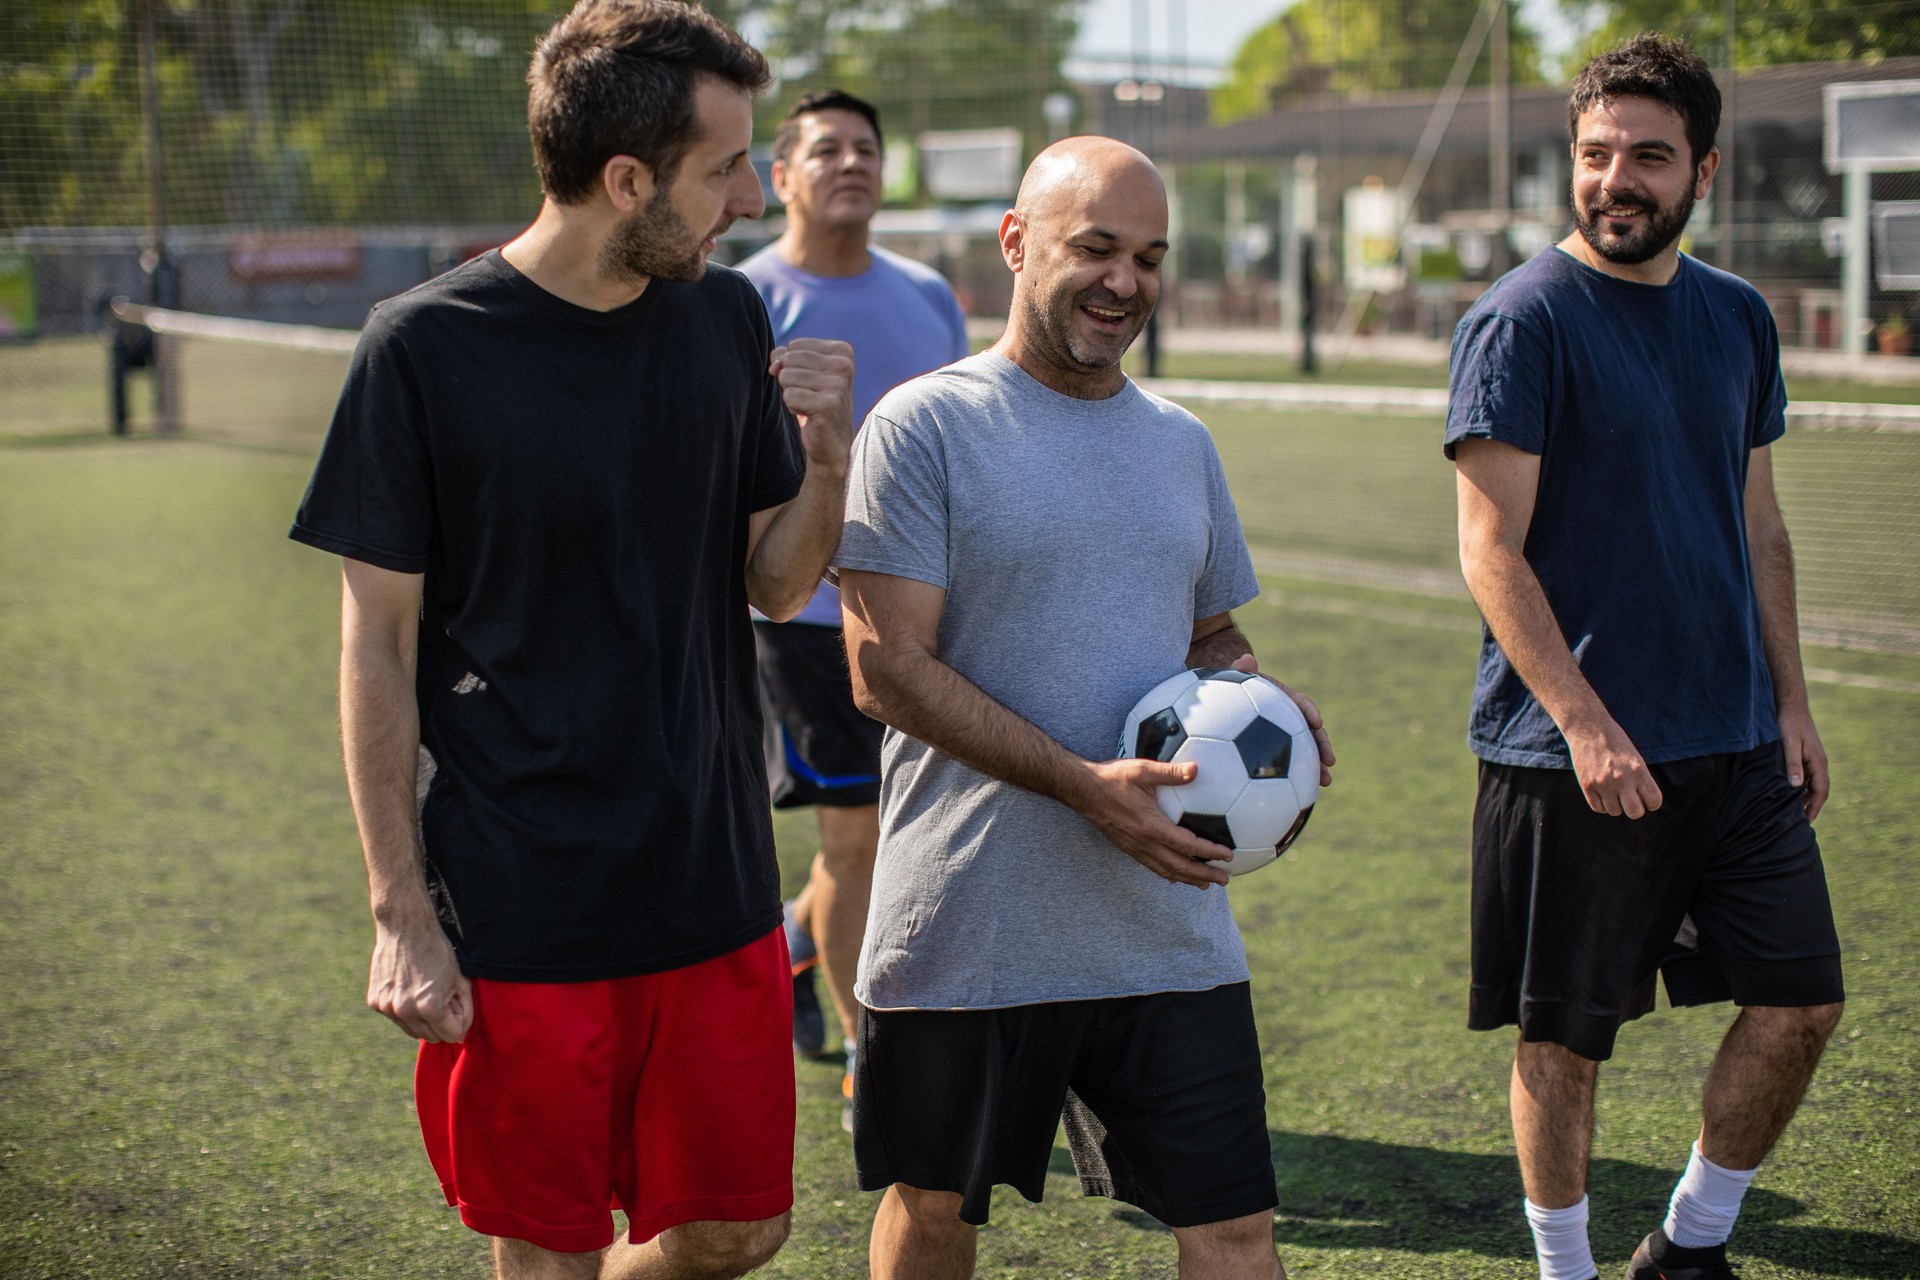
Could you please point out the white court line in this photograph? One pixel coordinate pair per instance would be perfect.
(1432, 620)
(1858, 680)
(1425, 402)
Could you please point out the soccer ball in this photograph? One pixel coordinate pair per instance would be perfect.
(1259, 767)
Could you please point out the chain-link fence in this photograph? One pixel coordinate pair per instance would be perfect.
(298, 160)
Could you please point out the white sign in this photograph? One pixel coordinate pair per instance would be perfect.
(1372, 239)
(1873, 126)
(971, 164)
(1896, 243)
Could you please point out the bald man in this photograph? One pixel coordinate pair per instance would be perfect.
(1031, 543)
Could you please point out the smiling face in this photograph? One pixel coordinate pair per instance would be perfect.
(670, 236)
(831, 177)
(1635, 183)
(1086, 245)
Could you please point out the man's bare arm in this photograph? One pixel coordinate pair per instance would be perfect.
(892, 636)
(1772, 553)
(1219, 644)
(1497, 484)
(414, 978)
(788, 546)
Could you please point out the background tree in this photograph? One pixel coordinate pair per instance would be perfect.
(273, 112)
(1359, 47)
(1767, 32)
(926, 64)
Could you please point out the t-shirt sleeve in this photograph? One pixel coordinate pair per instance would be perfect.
(1769, 420)
(780, 461)
(896, 504)
(1500, 383)
(1227, 581)
(371, 496)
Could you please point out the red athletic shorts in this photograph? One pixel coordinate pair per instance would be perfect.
(668, 1095)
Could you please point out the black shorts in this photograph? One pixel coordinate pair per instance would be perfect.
(1163, 1098)
(1720, 891)
(820, 748)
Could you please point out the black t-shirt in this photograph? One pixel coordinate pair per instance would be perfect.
(575, 485)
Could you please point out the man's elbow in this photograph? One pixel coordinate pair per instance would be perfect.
(779, 602)
(779, 610)
(871, 678)
(865, 701)
(1473, 559)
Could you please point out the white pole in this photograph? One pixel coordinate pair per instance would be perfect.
(1290, 188)
(1853, 279)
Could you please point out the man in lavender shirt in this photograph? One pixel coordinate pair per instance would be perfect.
(825, 279)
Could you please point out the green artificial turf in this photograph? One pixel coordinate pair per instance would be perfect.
(190, 1084)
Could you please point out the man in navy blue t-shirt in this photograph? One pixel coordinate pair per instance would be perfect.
(1649, 767)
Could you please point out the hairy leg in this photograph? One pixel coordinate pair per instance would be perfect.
(1237, 1249)
(518, 1260)
(698, 1251)
(1552, 1103)
(1758, 1078)
(918, 1235)
(839, 887)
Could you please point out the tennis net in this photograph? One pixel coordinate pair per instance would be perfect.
(1340, 485)
(245, 381)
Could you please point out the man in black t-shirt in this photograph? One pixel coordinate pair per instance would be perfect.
(559, 475)
(1649, 767)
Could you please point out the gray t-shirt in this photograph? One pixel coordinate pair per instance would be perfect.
(1077, 541)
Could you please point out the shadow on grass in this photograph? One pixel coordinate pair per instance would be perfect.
(1350, 1193)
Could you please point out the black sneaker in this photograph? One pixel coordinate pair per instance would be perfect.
(1659, 1258)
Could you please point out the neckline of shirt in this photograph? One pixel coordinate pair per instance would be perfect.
(1632, 286)
(573, 312)
(1128, 394)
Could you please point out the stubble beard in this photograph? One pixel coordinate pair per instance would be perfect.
(654, 244)
(1056, 327)
(1663, 226)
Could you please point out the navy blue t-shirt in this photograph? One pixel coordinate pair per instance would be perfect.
(1643, 403)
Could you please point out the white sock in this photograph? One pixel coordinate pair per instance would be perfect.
(1705, 1202)
(1560, 1238)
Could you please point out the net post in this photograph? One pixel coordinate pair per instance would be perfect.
(117, 375)
(166, 386)
(130, 346)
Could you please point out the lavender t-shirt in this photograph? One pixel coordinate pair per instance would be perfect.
(900, 317)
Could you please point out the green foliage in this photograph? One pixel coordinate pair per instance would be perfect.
(287, 112)
(1360, 47)
(1767, 32)
(926, 64)
(271, 111)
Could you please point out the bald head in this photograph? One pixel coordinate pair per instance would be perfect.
(1076, 172)
(1084, 240)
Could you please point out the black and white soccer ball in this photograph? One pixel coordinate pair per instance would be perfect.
(1259, 768)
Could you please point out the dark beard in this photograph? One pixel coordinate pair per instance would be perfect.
(1060, 338)
(654, 244)
(1663, 227)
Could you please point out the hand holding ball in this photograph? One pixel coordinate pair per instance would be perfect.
(1259, 768)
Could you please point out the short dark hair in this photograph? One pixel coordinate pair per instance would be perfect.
(617, 77)
(832, 100)
(1652, 66)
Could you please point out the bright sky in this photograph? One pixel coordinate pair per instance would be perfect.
(1212, 30)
